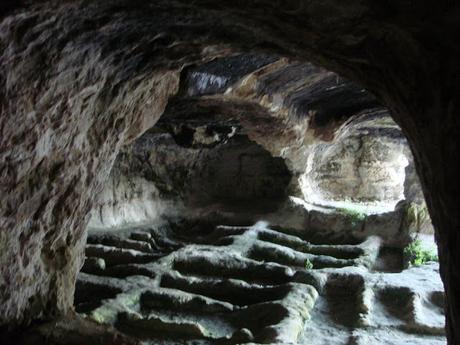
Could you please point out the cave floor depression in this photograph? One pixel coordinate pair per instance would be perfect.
(237, 285)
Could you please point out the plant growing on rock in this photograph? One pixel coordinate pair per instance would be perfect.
(354, 216)
(308, 265)
(416, 255)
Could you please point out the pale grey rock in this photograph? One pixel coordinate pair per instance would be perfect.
(236, 285)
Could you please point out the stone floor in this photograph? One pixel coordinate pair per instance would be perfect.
(238, 285)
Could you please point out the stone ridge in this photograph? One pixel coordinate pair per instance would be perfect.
(236, 285)
(77, 78)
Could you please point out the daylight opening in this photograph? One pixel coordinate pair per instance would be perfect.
(273, 202)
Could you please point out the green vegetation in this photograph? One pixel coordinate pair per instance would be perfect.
(416, 255)
(308, 264)
(354, 216)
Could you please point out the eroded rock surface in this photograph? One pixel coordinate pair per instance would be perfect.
(235, 285)
(365, 162)
(81, 78)
(182, 169)
(272, 131)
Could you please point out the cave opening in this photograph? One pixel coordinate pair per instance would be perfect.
(89, 179)
(298, 220)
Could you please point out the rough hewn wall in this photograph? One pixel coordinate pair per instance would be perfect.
(67, 107)
(341, 147)
(364, 163)
(80, 78)
(157, 179)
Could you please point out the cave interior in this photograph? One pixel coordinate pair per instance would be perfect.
(252, 172)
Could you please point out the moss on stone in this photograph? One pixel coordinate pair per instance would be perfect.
(308, 264)
(416, 255)
(354, 216)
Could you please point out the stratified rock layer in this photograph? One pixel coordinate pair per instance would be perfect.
(77, 78)
(234, 153)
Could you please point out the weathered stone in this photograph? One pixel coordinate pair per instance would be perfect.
(93, 265)
(211, 292)
(79, 79)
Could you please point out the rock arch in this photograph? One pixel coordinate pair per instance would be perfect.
(79, 80)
